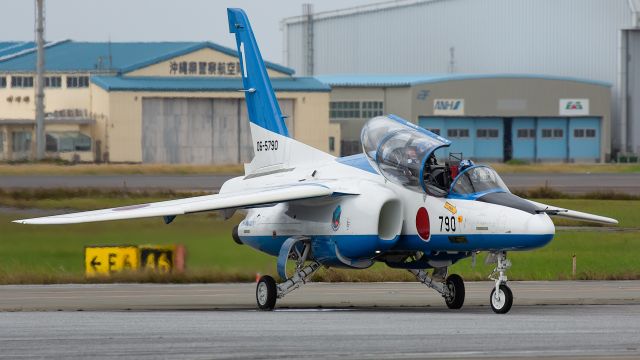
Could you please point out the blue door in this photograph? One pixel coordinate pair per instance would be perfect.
(461, 132)
(551, 141)
(584, 139)
(488, 139)
(433, 124)
(523, 135)
(458, 130)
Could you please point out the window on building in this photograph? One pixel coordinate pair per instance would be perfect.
(1, 142)
(53, 81)
(21, 141)
(578, 133)
(77, 81)
(332, 143)
(590, 133)
(558, 133)
(526, 133)
(371, 109)
(3, 82)
(552, 133)
(435, 131)
(21, 81)
(67, 141)
(350, 147)
(458, 133)
(344, 110)
(487, 133)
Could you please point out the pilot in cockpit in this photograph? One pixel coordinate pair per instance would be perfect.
(464, 164)
(412, 156)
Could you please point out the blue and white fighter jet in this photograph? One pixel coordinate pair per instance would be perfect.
(395, 203)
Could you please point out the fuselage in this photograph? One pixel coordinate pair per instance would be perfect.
(384, 217)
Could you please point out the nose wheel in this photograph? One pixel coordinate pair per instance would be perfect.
(501, 300)
(501, 297)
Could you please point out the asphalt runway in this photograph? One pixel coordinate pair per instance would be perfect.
(567, 320)
(569, 183)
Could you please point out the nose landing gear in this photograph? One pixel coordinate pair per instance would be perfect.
(501, 297)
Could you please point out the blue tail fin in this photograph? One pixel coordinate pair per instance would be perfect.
(262, 105)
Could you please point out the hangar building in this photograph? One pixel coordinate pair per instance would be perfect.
(597, 40)
(165, 102)
(493, 117)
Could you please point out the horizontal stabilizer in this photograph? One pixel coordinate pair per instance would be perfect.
(171, 208)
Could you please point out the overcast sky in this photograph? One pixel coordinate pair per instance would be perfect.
(157, 20)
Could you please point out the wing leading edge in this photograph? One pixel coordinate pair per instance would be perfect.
(249, 198)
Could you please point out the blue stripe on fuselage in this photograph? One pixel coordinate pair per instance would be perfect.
(351, 245)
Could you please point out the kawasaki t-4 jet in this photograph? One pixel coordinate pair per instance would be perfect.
(397, 203)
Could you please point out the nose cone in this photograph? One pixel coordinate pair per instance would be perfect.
(540, 224)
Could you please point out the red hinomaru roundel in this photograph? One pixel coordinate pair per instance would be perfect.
(422, 224)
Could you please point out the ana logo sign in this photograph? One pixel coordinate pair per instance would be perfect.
(575, 107)
(448, 107)
(335, 221)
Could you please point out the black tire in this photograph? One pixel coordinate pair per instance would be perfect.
(266, 293)
(456, 285)
(503, 305)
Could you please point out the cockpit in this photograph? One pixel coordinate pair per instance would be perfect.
(405, 154)
(475, 182)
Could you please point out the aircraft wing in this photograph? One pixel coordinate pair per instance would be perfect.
(171, 208)
(571, 214)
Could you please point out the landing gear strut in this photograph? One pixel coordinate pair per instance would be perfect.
(451, 288)
(501, 297)
(267, 291)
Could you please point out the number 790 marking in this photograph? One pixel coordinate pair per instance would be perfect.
(447, 223)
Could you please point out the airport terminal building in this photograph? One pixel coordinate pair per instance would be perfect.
(165, 102)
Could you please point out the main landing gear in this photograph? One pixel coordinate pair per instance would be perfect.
(501, 297)
(450, 287)
(268, 291)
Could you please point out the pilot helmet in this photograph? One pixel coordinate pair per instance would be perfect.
(465, 164)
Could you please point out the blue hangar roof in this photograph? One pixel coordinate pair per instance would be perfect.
(72, 56)
(152, 83)
(402, 80)
(12, 47)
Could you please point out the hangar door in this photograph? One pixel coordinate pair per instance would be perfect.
(199, 131)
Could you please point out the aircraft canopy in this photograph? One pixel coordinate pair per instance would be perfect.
(476, 181)
(402, 151)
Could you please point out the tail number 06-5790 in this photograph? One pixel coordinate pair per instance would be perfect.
(447, 223)
(267, 145)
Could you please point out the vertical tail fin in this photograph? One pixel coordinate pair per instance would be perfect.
(273, 149)
(262, 105)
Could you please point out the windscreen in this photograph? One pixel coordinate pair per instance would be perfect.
(476, 181)
(400, 150)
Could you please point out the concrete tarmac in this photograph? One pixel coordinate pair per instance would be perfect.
(101, 297)
(569, 183)
(356, 321)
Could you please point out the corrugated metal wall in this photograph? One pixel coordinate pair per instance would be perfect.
(633, 86)
(199, 131)
(559, 37)
(575, 38)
